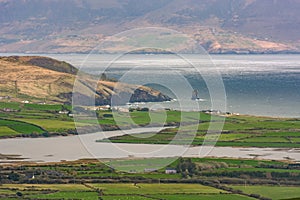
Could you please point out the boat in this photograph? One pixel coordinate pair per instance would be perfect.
(195, 95)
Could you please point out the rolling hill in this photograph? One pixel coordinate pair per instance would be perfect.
(42, 79)
(220, 26)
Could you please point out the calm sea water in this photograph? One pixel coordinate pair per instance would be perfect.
(267, 85)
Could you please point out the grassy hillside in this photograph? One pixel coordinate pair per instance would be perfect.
(41, 79)
(47, 63)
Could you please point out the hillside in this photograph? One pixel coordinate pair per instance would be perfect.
(41, 79)
(220, 26)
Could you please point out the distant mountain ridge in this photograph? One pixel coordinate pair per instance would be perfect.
(42, 79)
(220, 26)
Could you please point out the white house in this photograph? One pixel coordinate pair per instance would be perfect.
(63, 112)
(170, 171)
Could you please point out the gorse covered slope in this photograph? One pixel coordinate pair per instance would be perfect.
(42, 79)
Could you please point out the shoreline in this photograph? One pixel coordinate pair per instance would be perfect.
(108, 127)
(57, 149)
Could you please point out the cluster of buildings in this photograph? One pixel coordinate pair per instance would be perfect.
(4, 97)
(218, 112)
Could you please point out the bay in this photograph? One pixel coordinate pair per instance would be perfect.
(264, 85)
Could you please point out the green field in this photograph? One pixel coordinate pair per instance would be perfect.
(5, 130)
(43, 191)
(273, 192)
(143, 188)
(34, 119)
(196, 178)
(212, 178)
(114, 191)
(156, 117)
(11, 105)
(52, 124)
(45, 107)
(203, 196)
(245, 131)
(12, 127)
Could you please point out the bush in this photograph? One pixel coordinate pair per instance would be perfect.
(45, 134)
(107, 115)
(14, 176)
(264, 198)
(257, 196)
(19, 194)
(34, 134)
